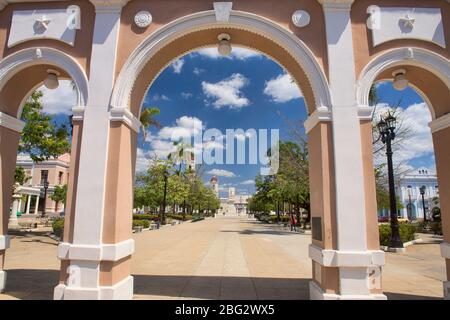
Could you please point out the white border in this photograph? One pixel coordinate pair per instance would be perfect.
(339, 258)
(426, 59)
(317, 293)
(440, 123)
(125, 115)
(207, 20)
(104, 252)
(123, 290)
(11, 123)
(22, 59)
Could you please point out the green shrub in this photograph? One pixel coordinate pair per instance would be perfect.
(407, 233)
(197, 218)
(436, 227)
(141, 223)
(145, 217)
(58, 227)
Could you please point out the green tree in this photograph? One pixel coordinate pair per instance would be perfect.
(41, 138)
(20, 176)
(59, 195)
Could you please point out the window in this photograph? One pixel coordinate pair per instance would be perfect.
(60, 177)
(44, 176)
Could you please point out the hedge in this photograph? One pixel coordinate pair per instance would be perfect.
(58, 227)
(407, 232)
(179, 216)
(145, 217)
(141, 223)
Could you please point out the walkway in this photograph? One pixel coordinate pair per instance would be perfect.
(220, 258)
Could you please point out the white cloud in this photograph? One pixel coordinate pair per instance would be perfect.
(186, 95)
(282, 89)
(248, 182)
(159, 97)
(221, 173)
(198, 71)
(60, 100)
(227, 92)
(142, 160)
(236, 53)
(185, 127)
(419, 142)
(177, 65)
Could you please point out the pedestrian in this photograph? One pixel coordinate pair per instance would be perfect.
(293, 222)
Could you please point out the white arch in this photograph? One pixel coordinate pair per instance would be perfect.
(22, 59)
(418, 57)
(206, 20)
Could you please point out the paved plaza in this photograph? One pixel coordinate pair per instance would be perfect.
(221, 258)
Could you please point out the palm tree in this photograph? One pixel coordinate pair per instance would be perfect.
(147, 119)
(182, 153)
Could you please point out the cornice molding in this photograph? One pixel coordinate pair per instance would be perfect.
(124, 115)
(319, 115)
(440, 123)
(78, 113)
(11, 123)
(336, 4)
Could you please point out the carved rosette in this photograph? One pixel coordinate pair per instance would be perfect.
(143, 19)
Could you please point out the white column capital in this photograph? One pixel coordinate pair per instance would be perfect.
(103, 252)
(340, 258)
(108, 6)
(365, 113)
(319, 115)
(10, 122)
(336, 4)
(78, 113)
(440, 123)
(124, 114)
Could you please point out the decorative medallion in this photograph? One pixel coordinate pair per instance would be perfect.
(143, 19)
(301, 18)
(408, 21)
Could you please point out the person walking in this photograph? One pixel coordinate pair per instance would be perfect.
(293, 222)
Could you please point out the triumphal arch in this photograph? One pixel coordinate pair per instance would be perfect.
(112, 50)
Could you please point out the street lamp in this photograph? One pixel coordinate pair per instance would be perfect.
(422, 193)
(386, 127)
(410, 203)
(163, 210)
(45, 197)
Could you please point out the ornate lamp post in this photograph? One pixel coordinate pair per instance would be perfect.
(422, 193)
(163, 209)
(46, 184)
(410, 216)
(386, 127)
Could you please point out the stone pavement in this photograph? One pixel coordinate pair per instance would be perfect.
(220, 258)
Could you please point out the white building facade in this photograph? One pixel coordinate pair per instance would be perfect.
(409, 193)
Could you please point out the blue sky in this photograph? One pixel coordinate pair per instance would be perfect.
(246, 90)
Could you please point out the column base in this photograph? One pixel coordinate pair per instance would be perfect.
(2, 281)
(446, 286)
(317, 293)
(13, 224)
(122, 290)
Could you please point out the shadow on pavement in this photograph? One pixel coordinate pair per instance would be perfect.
(215, 287)
(31, 284)
(402, 296)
